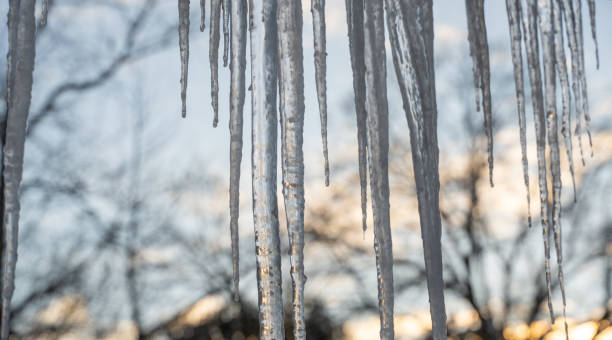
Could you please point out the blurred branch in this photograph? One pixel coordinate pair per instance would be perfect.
(129, 52)
(52, 287)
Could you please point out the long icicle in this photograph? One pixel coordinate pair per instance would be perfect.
(378, 156)
(264, 60)
(410, 25)
(320, 55)
(291, 90)
(479, 50)
(514, 11)
(548, 51)
(591, 4)
(227, 18)
(570, 26)
(202, 15)
(22, 34)
(354, 19)
(183, 28)
(237, 94)
(581, 71)
(561, 64)
(530, 27)
(7, 277)
(213, 55)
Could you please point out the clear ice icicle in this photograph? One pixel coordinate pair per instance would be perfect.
(570, 26)
(354, 19)
(264, 61)
(530, 27)
(514, 11)
(320, 55)
(479, 50)
(183, 9)
(410, 25)
(548, 52)
(378, 154)
(291, 91)
(561, 64)
(20, 64)
(581, 72)
(213, 54)
(237, 94)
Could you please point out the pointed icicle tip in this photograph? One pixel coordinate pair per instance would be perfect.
(411, 36)
(479, 50)
(354, 19)
(377, 124)
(320, 55)
(20, 67)
(514, 13)
(531, 39)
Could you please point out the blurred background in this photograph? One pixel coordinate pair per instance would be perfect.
(125, 220)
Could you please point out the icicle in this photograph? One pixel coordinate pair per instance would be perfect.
(227, 6)
(378, 153)
(263, 34)
(213, 54)
(548, 49)
(20, 66)
(410, 25)
(513, 8)
(530, 27)
(320, 54)
(45, 11)
(594, 30)
(570, 26)
(237, 93)
(567, 135)
(183, 8)
(581, 71)
(479, 50)
(354, 19)
(561, 64)
(291, 90)
(202, 15)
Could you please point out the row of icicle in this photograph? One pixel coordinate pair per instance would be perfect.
(276, 67)
(275, 30)
(552, 22)
(276, 55)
